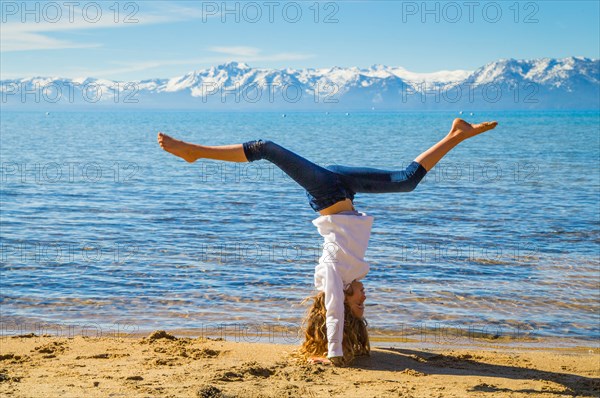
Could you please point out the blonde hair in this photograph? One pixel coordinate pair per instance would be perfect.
(355, 340)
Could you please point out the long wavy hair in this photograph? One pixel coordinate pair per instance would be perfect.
(355, 338)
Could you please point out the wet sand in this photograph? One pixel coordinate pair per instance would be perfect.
(162, 365)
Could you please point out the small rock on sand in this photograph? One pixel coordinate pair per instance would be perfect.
(209, 392)
(161, 334)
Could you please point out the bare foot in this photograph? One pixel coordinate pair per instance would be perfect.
(178, 148)
(464, 130)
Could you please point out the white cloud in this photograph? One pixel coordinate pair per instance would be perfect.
(253, 54)
(31, 35)
(237, 51)
(281, 57)
(27, 41)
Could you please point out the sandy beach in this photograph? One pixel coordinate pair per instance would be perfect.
(162, 365)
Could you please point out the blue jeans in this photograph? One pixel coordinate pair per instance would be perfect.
(328, 185)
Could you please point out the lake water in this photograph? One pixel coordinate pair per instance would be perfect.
(102, 229)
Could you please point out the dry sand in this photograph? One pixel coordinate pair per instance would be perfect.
(161, 365)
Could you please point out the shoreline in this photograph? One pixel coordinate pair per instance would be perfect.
(163, 365)
(292, 335)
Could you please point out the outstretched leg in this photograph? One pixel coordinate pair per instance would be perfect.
(459, 132)
(369, 180)
(323, 186)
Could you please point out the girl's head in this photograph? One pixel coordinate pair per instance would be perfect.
(355, 297)
(355, 337)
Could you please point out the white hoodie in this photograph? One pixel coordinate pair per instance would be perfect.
(346, 238)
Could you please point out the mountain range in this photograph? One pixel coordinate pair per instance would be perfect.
(545, 83)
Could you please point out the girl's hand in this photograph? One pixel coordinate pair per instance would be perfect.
(334, 361)
(321, 360)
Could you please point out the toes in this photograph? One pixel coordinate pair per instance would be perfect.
(485, 126)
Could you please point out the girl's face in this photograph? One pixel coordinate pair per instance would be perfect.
(357, 299)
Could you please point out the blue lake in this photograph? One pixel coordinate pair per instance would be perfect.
(100, 226)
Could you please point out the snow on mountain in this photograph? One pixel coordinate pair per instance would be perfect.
(443, 76)
(542, 71)
(545, 83)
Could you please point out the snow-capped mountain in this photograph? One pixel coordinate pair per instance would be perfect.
(546, 83)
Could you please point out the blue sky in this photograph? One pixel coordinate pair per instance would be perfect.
(148, 39)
